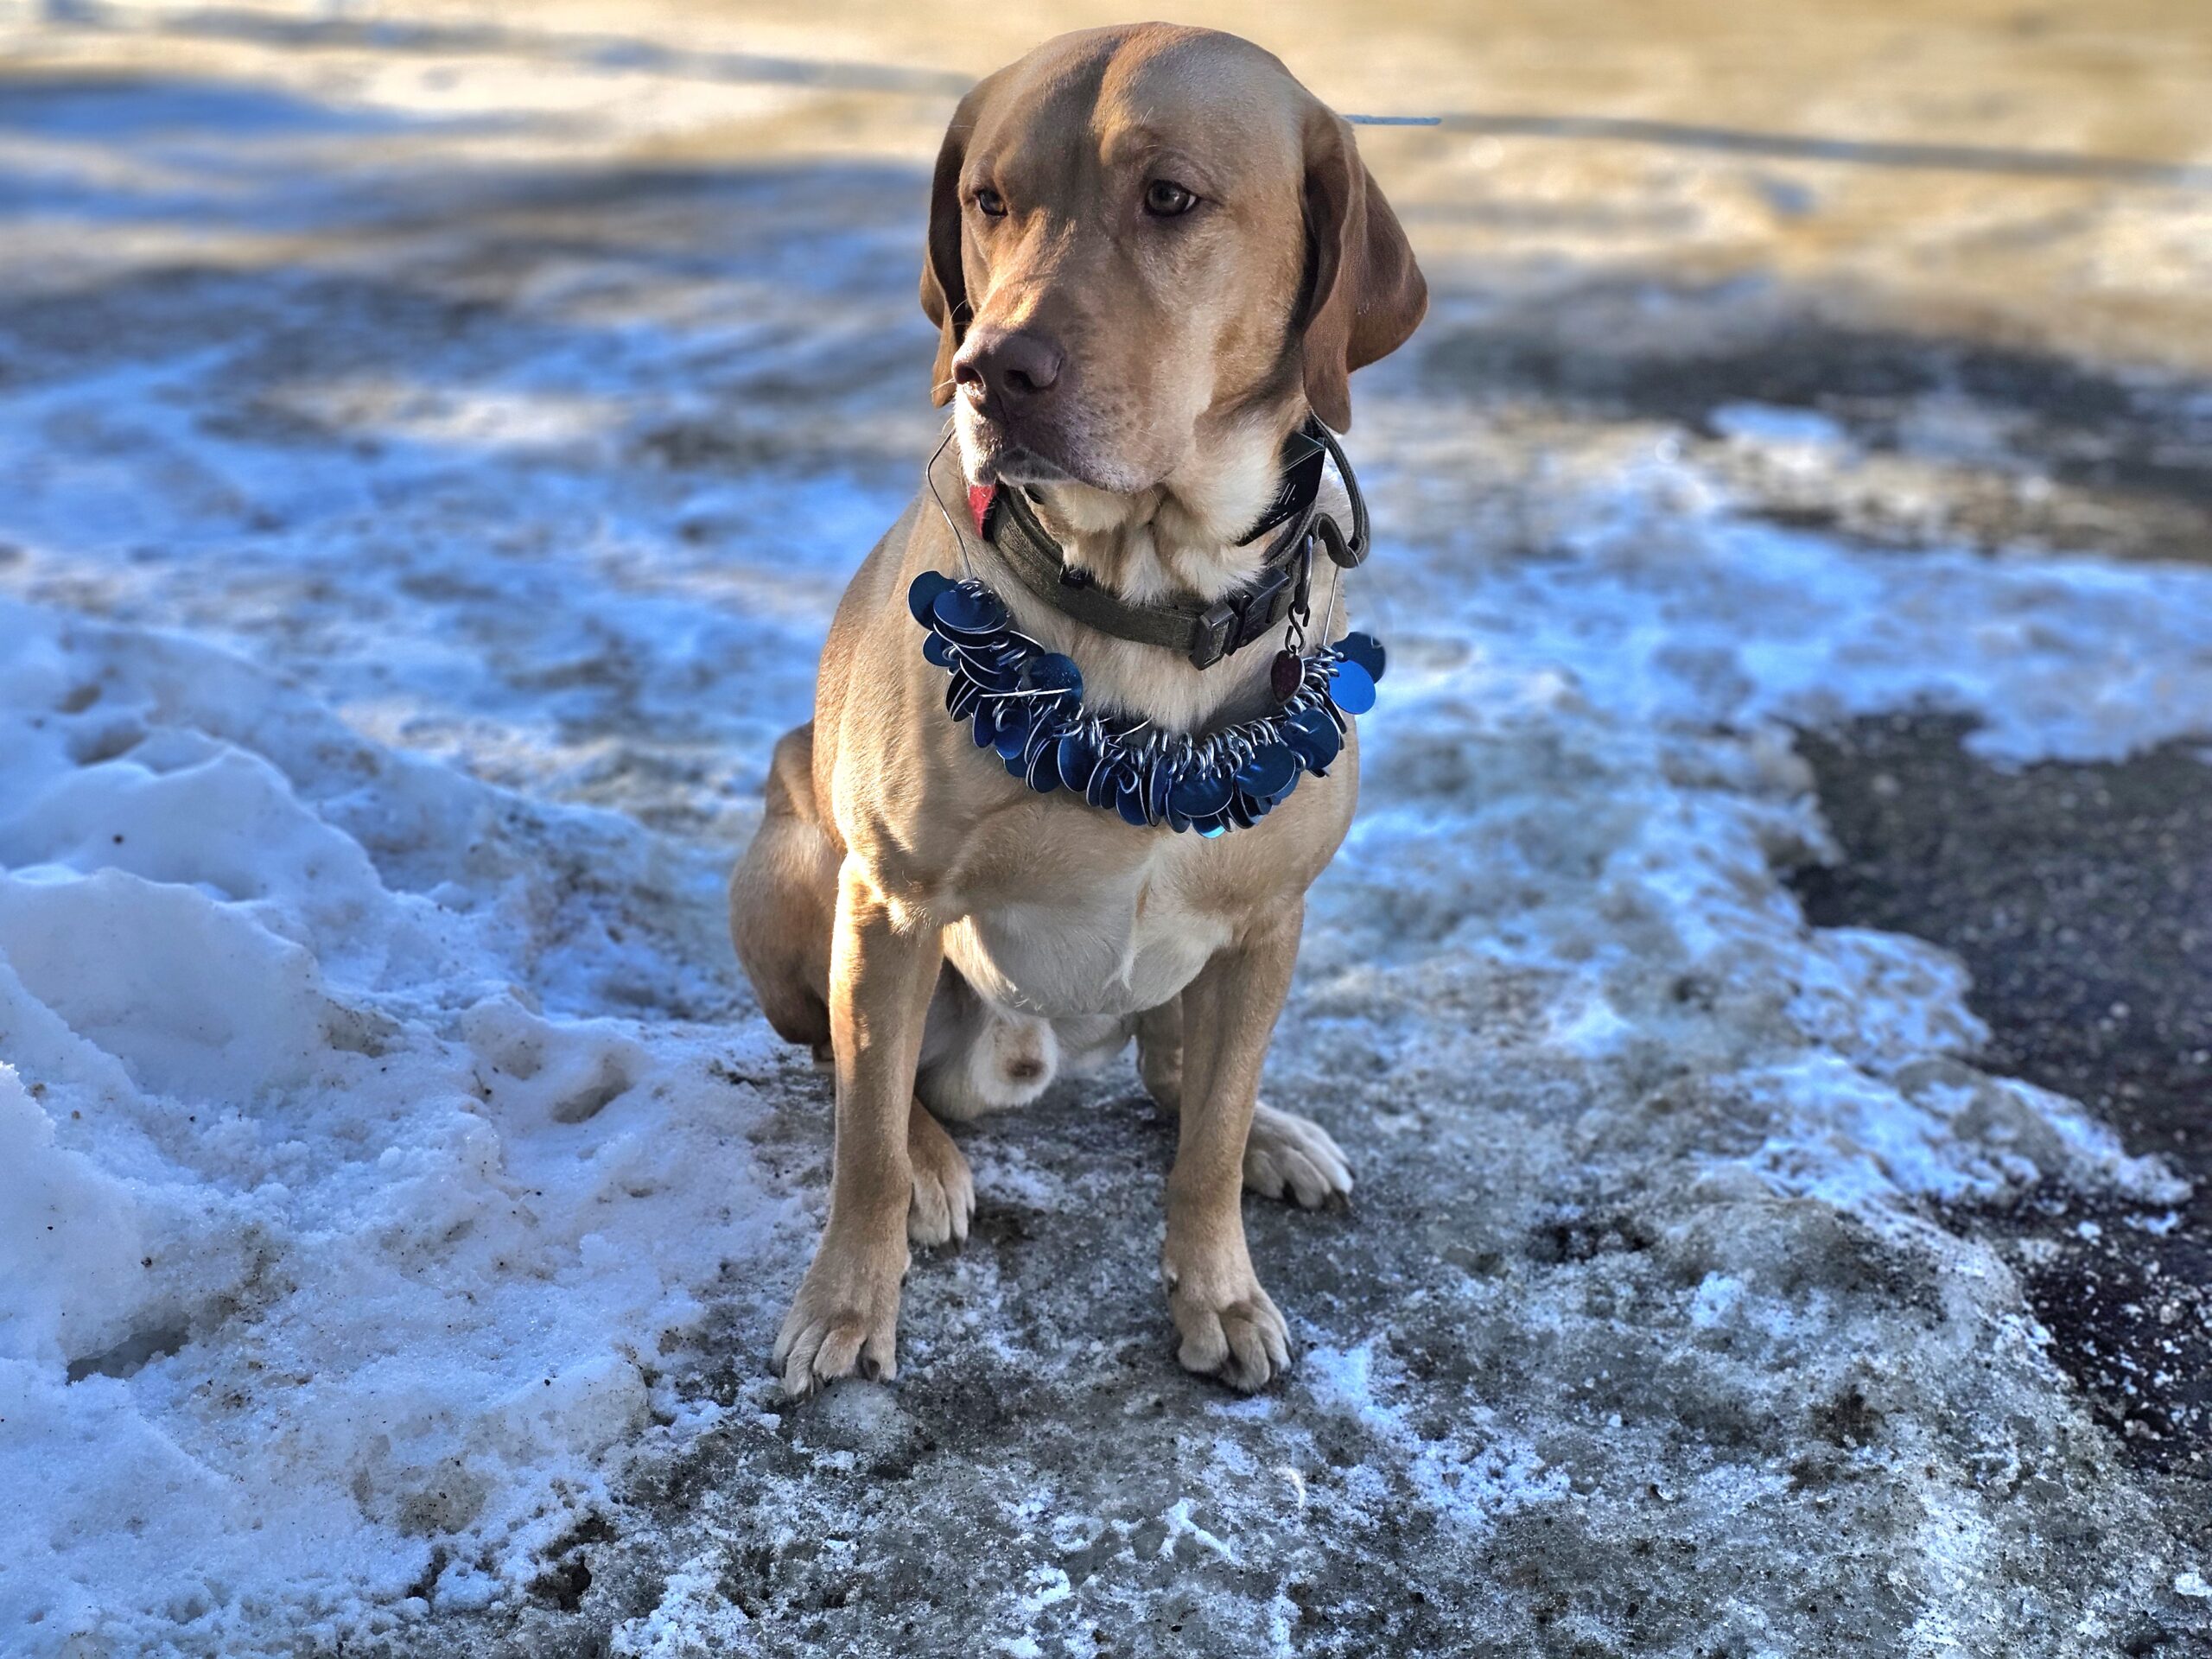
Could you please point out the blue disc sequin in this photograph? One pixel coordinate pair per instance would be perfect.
(1102, 788)
(922, 596)
(1365, 650)
(1269, 773)
(1351, 688)
(1077, 759)
(1044, 773)
(1312, 738)
(969, 614)
(1201, 795)
(1053, 672)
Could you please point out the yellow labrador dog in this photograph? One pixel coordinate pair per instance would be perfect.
(1155, 258)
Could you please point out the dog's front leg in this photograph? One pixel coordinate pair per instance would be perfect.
(883, 965)
(1228, 1323)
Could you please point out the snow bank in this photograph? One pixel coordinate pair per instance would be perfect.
(337, 1240)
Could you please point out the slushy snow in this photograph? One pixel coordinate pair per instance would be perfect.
(344, 1198)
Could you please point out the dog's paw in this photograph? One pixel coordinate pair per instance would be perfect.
(845, 1317)
(1290, 1157)
(1230, 1327)
(944, 1191)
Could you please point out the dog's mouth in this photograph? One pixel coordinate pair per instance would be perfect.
(991, 454)
(1015, 464)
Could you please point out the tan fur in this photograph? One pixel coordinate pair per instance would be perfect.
(957, 940)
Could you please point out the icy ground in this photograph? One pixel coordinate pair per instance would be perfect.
(399, 1192)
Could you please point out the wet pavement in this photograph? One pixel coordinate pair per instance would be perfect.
(2080, 899)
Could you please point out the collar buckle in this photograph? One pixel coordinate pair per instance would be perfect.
(1233, 623)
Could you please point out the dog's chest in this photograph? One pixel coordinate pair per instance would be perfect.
(1113, 941)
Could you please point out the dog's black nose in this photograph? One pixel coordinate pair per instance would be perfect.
(1006, 366)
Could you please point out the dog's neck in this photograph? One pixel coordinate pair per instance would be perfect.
(1182, 537)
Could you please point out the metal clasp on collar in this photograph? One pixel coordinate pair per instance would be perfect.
(1233, 623)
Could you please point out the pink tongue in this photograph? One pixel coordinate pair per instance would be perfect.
(980, 497)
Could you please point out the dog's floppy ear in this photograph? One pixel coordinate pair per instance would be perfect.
(1364, 294)
(944, 284)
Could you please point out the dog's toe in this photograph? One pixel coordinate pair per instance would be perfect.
(1236, 1334)
(823, 1350)
(1259, 1345)
(1246, 1344)
(844, 1320)
(944, 1201)
(1292, 1157)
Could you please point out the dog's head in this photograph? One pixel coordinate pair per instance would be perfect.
(1147, 240)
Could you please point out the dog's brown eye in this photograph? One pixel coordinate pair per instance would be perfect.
(992, 204)
(1165, 199)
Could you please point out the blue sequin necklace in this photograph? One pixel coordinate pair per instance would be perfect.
(1026, 704)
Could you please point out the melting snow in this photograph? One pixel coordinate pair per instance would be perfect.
(334, 1214)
